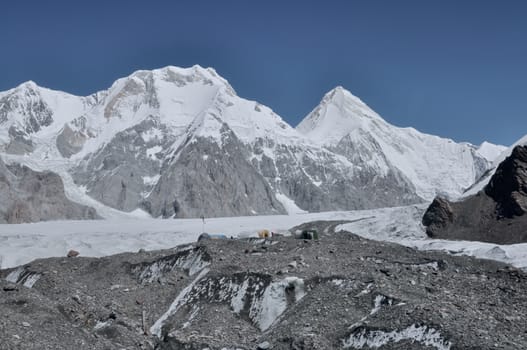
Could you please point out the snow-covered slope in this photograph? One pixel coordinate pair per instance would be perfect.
(25, 242)
(346, 125)
(180, 142)
(490, 151)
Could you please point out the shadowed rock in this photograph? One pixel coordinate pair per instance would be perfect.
(508, 186)
(495, 214)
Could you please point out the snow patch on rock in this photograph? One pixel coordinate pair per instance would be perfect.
(192, 260)
(176, 305)
(379, 301)
(289, 204)
(24, 277)
(275, 301)
(255, 296)
(364, 338)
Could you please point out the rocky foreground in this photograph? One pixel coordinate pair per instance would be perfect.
(340, 292)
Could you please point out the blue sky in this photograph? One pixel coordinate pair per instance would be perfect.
(456, 69)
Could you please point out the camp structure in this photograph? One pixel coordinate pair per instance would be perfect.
(206, 236)
(263, 234)
(308, 234)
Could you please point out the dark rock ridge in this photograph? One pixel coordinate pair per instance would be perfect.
(340, 292)
(508, 186)
(495, 214)
(30, 196)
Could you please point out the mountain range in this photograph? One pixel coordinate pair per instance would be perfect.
(179, 142)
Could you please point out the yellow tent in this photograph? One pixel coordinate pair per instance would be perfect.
(263, 233)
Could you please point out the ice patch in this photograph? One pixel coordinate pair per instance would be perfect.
(367, 290)
(31, 280)
(151, 152)
(24, 277)
(101, 325)
(192, 316)
(497, 253)
(238, 301)
(274, 301)
(14, 275)
(191, 260)
(362, 338)
(251, 294)
(337, 282)
(151, 180)
(152, 134)
(289, 204)
(377, 304)
(176, 305)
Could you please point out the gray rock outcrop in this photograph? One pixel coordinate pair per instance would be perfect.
(212, 180)
(30, 196)
(69, 141)
(119, 175)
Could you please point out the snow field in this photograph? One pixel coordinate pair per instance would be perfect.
(22, 243)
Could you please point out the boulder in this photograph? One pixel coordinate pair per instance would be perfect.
(438, 216)
(72, 253)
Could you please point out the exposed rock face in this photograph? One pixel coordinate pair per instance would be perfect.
(220, 182)
(495, 214)
(508, 186)
(118, 175)
(343, 292)
(69, 141)
(19, 142)
(313, 179)
(30, 196)
(439, 215)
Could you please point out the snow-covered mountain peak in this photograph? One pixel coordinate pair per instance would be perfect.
(184, 76)
(28, 85)
(345, 124)
(24, 107)
(28, 88)
(340, 96)
(338, 114)
(169, 86)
